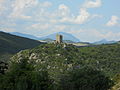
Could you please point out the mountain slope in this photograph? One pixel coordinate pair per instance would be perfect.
(66, 36)
(12, 44)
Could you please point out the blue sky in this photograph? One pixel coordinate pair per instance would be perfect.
(88, 20)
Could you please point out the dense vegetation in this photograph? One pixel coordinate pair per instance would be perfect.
(61, 67)
(11, 44)
(103, 57)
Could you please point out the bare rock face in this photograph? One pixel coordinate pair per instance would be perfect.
(33, 56)
(20, 56)
(17, 58)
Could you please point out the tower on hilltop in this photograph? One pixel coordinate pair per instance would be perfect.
(59, 38)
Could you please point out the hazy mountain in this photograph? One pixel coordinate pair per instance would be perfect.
(25, 35)
(11, 44)
(66, 36)
(51, 37)
(104, 41)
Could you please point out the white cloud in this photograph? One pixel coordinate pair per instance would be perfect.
(112, 36)
(46, 4)
(22, 8)
(47, 26)
(83, 15)
(1, 1)
(43, 15)
(2, 7)
(63, 10)
(62, 14)
(81, 18)
(40, 26)
(7, 23)
(19, 7)
(5, 29)
(63, 6)
(58, 28)
(92, 4)
(113, 21)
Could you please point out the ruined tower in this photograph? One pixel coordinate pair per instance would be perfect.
(59, 38)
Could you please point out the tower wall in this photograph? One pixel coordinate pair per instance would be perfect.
(59, 38)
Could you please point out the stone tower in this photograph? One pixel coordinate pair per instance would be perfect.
(59, 38)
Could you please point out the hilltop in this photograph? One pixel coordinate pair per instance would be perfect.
(102, 57)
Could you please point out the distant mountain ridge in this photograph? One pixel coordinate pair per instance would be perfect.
(66, 36)
(104, 41)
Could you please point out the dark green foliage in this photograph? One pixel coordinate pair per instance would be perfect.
(85, 79)
(3, 67)
(103, 57)
(23, 76)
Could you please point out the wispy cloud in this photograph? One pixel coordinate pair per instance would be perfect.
(40, 26)
(92, 4)
(79, 19)
(2, 6)
(64, 10)
(114, 21)
(83, 15)
(8, 29)
(20, 6)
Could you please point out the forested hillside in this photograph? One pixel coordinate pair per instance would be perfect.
(103, 57)
(11, 44)
(62, 67)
